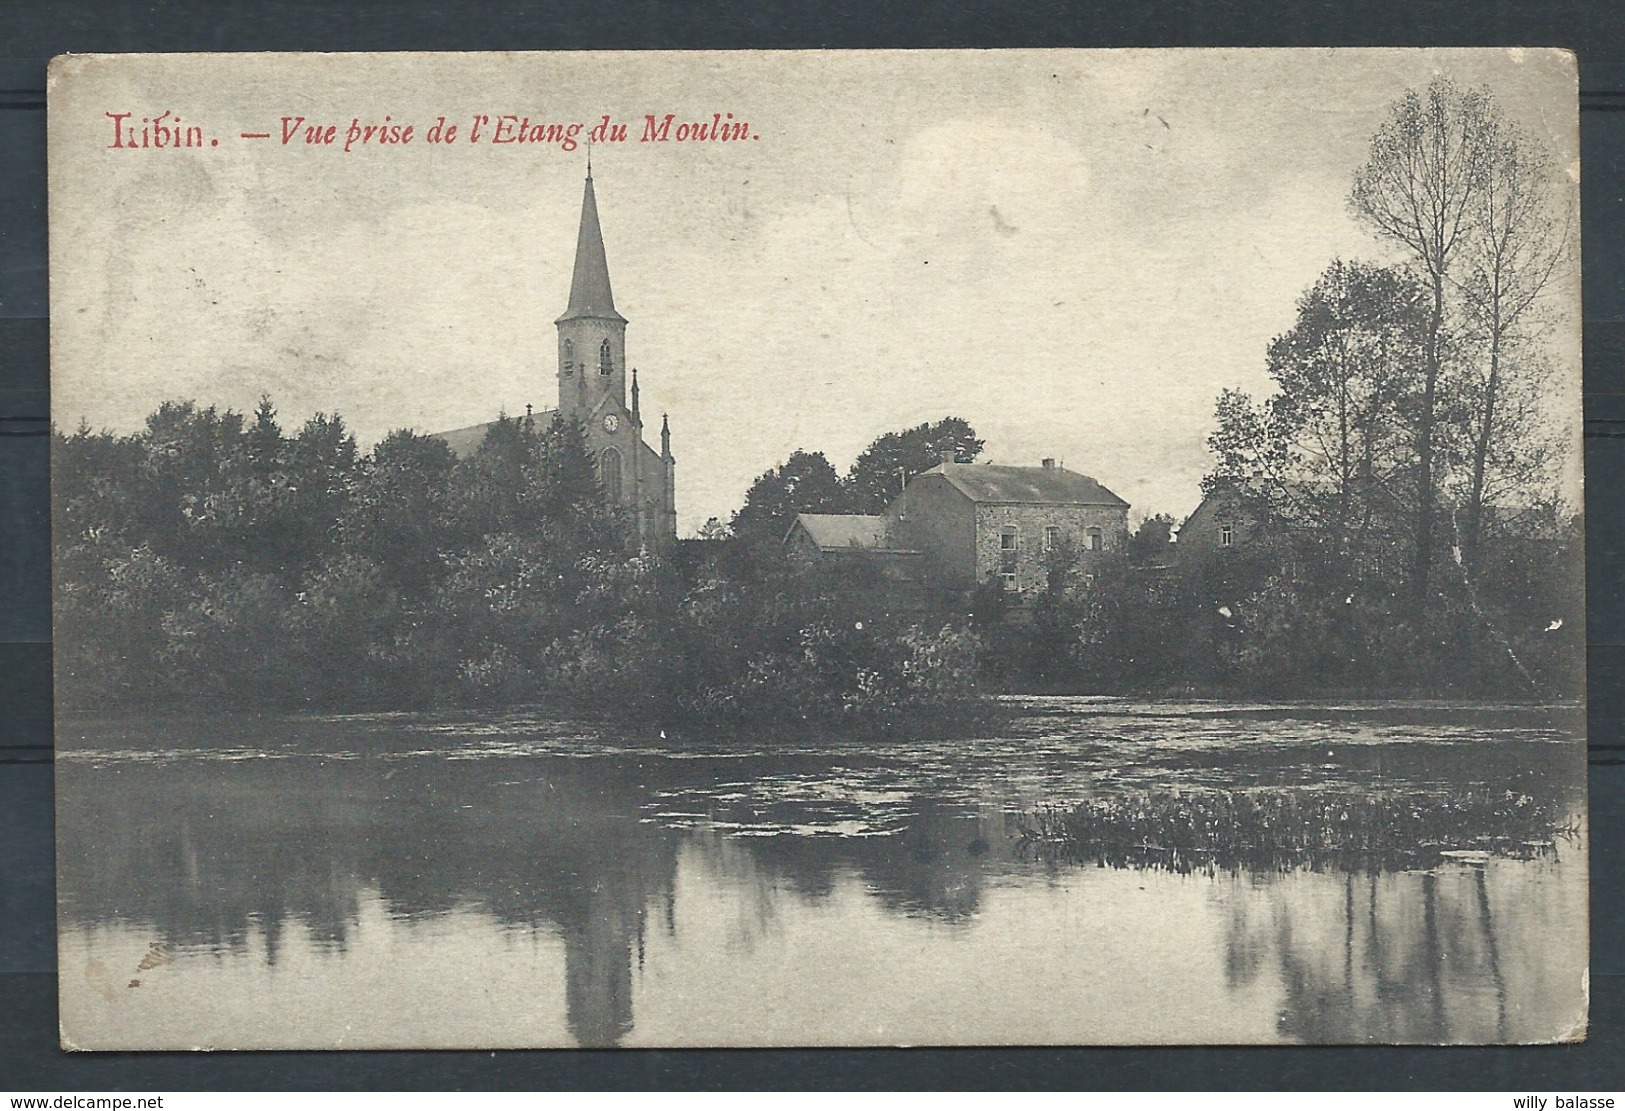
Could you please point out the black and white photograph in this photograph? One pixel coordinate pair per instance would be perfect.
(818, 548)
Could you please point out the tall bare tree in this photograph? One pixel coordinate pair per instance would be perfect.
(1514, 247)
(1420, 189)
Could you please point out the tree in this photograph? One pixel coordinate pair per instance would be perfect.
(877, 476)
(1469, 198)
(1419, 189)
(319, 470)
(571, 489)
(1248, 449)
(804, 483)
(399, 509)
(183, 500)
(1325, 468)
(1347, 403)
(265, 442)
(1515, 246)
(1151, 541)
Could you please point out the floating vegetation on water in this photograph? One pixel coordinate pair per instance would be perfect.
(1277, 829)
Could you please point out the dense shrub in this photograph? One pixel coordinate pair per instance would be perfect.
(214, 561)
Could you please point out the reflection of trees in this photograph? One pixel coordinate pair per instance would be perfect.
(211, 854)
(932, 869)
(1248, 927)
(215, 855)
(1407, 958)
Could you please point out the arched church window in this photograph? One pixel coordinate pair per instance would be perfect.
(609, 473)
(605, 363)
(569, 358)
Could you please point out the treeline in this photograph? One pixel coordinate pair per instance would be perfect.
(215, 560)
(808, 483)
(1394, 504)
(1278, 618)
(1393, 507)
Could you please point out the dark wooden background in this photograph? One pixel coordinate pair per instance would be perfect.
(32, 31)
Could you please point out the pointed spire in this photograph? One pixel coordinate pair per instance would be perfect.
(665, 437)
(635, 417)
(589, 285)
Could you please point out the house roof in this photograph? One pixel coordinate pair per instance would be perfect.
(1292, 497)
(1026, 485)
(843, 530)
(590, 295)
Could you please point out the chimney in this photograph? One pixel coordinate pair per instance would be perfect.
(1049, 464)
(946, 456)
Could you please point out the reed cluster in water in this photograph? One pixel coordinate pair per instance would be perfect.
(1278, 828)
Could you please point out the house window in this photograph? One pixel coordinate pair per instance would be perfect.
(609, 473)
(1227, 536)
(1007, 556)
(605, 363)
(1097, 540)
(1052, 537)
(569, 358)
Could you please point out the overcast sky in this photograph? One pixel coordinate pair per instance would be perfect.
(1075, 251)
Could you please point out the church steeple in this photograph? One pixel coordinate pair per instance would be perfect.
(593, 391)
(592, 335)
(590, 295)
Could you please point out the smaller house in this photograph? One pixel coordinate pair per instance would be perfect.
(848, 540)
(1300, 513)
(858, 548)
(1220, 522)
(821, 537)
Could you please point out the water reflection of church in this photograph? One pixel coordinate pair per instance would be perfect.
(249, 861)
(227, 859)
(237, 863)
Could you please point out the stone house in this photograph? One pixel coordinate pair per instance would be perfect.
(975, 522)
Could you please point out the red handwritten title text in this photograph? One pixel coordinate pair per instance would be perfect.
(166, 131)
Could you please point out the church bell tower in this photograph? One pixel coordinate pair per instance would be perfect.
(593, 390)
(592, 335)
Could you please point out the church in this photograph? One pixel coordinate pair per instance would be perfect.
(593, 389)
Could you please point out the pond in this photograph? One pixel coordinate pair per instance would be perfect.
(503, 880)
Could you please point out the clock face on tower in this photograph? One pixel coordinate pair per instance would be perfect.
(611, 422)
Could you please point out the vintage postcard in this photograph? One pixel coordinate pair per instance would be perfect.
(777, 549)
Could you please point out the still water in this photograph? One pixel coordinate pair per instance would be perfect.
(513, 880)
